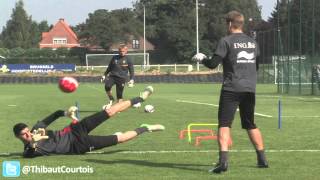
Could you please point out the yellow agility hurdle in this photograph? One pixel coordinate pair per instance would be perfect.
(197, 124)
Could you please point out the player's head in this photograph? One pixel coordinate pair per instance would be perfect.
(123, 50)
(235, 21)
(22, 132)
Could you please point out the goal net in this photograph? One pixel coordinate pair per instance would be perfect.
(104, 59)
(292, 70)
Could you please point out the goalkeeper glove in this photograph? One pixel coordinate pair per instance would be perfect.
(131, 83)
(199, 57)
(103, 78)
(38, 135)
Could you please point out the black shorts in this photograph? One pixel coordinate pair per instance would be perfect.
(83, 142)
(119, 82)
(228, 104)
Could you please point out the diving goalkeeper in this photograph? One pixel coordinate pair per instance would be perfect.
(75, 138)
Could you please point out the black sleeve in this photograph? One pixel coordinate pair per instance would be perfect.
(213, 62)
(48, 120)
(30, 152)
(131, 69)
(109, 67)
(257, 62)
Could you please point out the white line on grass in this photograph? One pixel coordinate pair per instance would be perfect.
(193, 102)
(215, 105)
(12, 105)
(193, 151)
(300, 116)
(263, 115)
(208, 151)
(288, 97)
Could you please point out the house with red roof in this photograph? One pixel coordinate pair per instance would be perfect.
(134, 44)
(61, 35)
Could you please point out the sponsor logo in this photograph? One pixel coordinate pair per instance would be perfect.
(244, 45)
(245, 55)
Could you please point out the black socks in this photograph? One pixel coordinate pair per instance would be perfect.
(141, 130)
(136, 100)
(223, 156)
(260, 156)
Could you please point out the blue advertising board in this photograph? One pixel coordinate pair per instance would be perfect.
(37, 68)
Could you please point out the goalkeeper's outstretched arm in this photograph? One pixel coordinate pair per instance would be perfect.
(213, 62)
(48, 120)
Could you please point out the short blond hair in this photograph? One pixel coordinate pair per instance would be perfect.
(236, 19)
(122, 46)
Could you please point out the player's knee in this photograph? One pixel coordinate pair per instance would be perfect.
(223, 124)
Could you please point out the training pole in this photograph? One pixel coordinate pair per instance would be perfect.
(77, 112)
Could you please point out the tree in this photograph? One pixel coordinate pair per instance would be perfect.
(104, 28)
(16, 52)
(37, 30)
(4, 52)
(62, 52)
(18, 30)
(43, 26)
(171, 25)
(21, 31)
(302, 30)
(280, 10)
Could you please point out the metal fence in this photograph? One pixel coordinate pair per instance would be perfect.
(290, 53)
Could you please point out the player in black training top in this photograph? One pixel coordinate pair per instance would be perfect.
(238, 54)
(117, 73)
(75, 138)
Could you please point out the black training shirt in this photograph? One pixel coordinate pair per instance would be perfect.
(239, 53)
(119, 66)
(59, 142)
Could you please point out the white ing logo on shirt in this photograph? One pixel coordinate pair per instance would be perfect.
(244, 45)
(245, 57)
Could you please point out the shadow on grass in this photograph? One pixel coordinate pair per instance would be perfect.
(19, 155)
(189, 167)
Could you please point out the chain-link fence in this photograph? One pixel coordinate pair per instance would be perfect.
(290, 52)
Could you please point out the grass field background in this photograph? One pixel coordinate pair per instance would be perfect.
(159, 155)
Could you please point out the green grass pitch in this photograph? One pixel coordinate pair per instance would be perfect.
(293, 152)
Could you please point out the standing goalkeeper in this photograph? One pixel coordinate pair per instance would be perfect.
(238, 54)
(117, 73)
